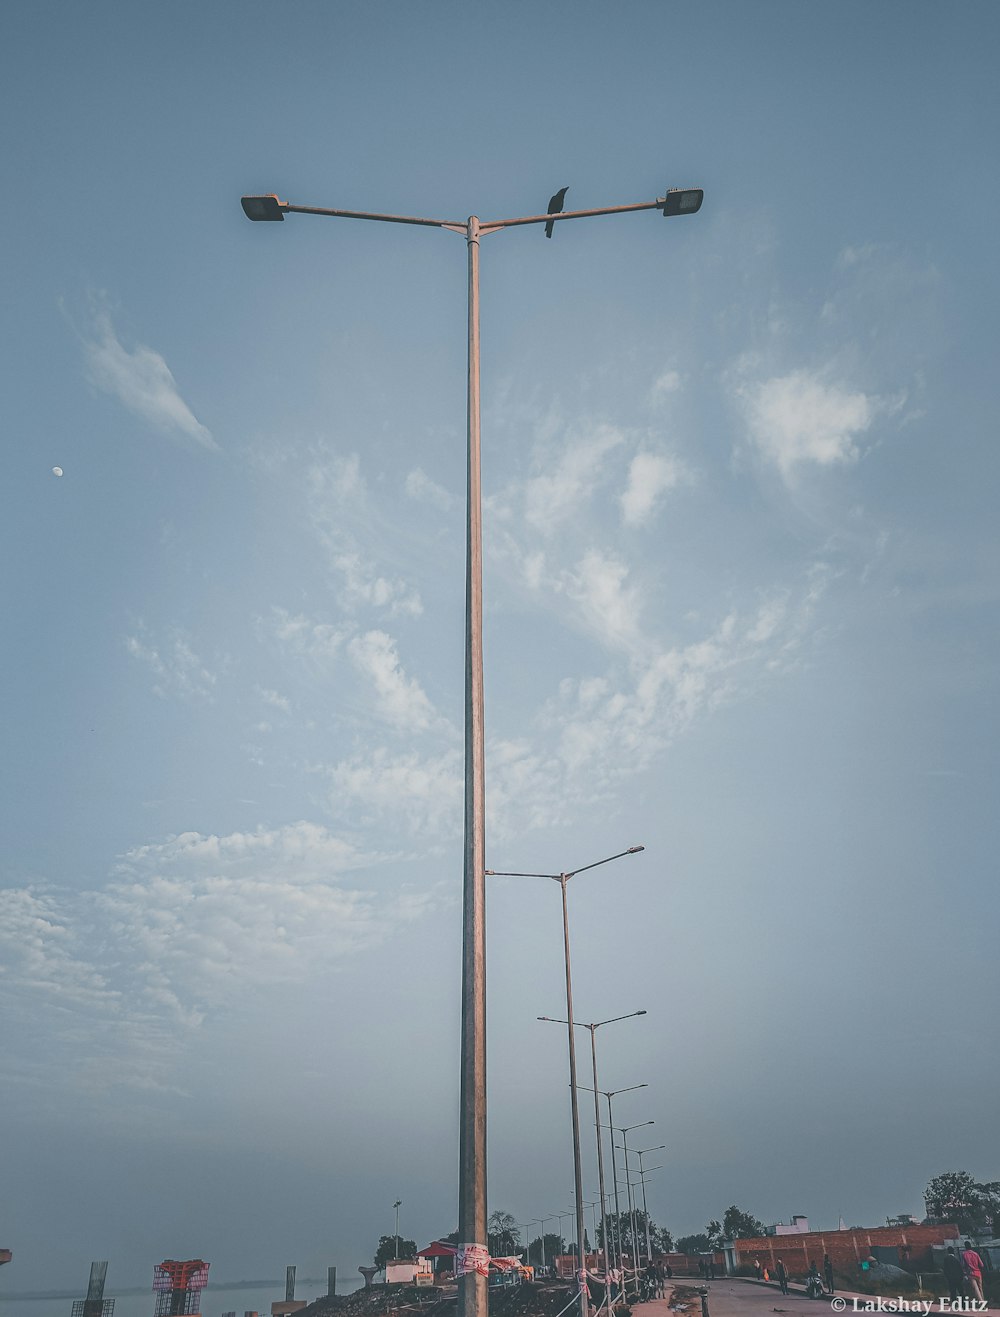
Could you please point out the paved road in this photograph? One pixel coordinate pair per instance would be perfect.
(732, 1297)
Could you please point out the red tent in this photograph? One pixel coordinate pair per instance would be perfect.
(437, 1249)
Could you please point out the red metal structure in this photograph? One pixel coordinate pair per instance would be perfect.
(178, 1287)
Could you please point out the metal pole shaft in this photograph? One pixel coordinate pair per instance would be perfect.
(631, 1209)
(472, 1293)
(614, 1180)
(645, 1211)
(600, 1151)
(581, 1259)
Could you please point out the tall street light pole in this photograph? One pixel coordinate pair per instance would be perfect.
(397, 1205)
(563, 879)
(472, 1255)
(597, 1111)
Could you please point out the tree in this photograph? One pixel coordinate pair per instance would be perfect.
(714, 1232)
(694, 1243)
(633, 1247)
(502, 1235)
(387, 1249)
(956, 1197)
(549, 1246)
(741, 1225)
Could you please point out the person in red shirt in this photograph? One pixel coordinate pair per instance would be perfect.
(973, 1265)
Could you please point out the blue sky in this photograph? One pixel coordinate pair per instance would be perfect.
(741, 587)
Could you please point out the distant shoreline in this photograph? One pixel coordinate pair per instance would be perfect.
(129, 1291)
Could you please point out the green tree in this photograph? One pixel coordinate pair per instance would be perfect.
(502, 1235)
(387, 1249)
(551, 1245)
(971, 1205)
(694, 1243)
(714, 1233)
(661, 1238)
(740, 1225)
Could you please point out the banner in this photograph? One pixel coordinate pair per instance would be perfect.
(472, 1257)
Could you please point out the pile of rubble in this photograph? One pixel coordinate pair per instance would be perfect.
(532, 1299)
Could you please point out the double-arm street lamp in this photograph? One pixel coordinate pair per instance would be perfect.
(597, 1111)
(563, 879)
(472, 1257)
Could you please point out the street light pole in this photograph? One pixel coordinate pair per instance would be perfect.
(563, 879)
(397, 1205)
(472, 1255)
(614, 1169)
(631, 1206)
(597, 1112)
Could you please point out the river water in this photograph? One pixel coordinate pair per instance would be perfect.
(215, 1300)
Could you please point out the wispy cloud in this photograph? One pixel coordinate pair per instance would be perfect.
(650, 476)
(177, 670)
(424, 792)
(400, 699)
(142, 382)
(423, 489)
(567, 484)
(115, 980)
(802, 419)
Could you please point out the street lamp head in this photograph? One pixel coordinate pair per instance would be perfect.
(634, 850)
(262, 208)
(682, 201)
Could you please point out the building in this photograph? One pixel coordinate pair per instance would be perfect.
(799, 1225)
(408, 1271)
(906, 1246)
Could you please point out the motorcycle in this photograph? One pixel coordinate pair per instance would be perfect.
(814, 1287)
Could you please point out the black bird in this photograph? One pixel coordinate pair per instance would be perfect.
(555, 206)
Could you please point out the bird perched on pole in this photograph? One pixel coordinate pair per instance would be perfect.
(555, 206)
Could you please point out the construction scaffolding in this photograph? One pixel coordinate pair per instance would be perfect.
(95, 1304)
(178, 1287)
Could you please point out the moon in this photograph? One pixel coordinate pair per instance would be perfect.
(57, 470)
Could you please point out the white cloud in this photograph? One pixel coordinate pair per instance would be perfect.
(556, 495)
(424, 791)
(274, 700)
(316, 640)
(608, 606)
(670, 381)
(177, 669)
(142, 381)
(649, 476)
(421, 487)
(364, 585)
(799, 419)
(401, 699)
(106, 986)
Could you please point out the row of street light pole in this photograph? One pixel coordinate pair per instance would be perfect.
(472, 1263)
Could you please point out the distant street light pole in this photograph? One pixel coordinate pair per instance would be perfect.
(473, 1250)
(397, 1205)
(631, 1206)
(614, 1169)
(597, 1112)
(640, 1153)
(563, 879)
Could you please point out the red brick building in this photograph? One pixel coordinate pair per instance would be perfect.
(847, 1248)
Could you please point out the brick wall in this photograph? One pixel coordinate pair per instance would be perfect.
(846, 1247)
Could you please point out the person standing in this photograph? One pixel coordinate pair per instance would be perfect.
(973, 1265)
(828, 1273)
(781, 1272)
(756, 1269)
(954, 1274)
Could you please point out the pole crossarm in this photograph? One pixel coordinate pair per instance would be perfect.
(565, 877)
(278, 209)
